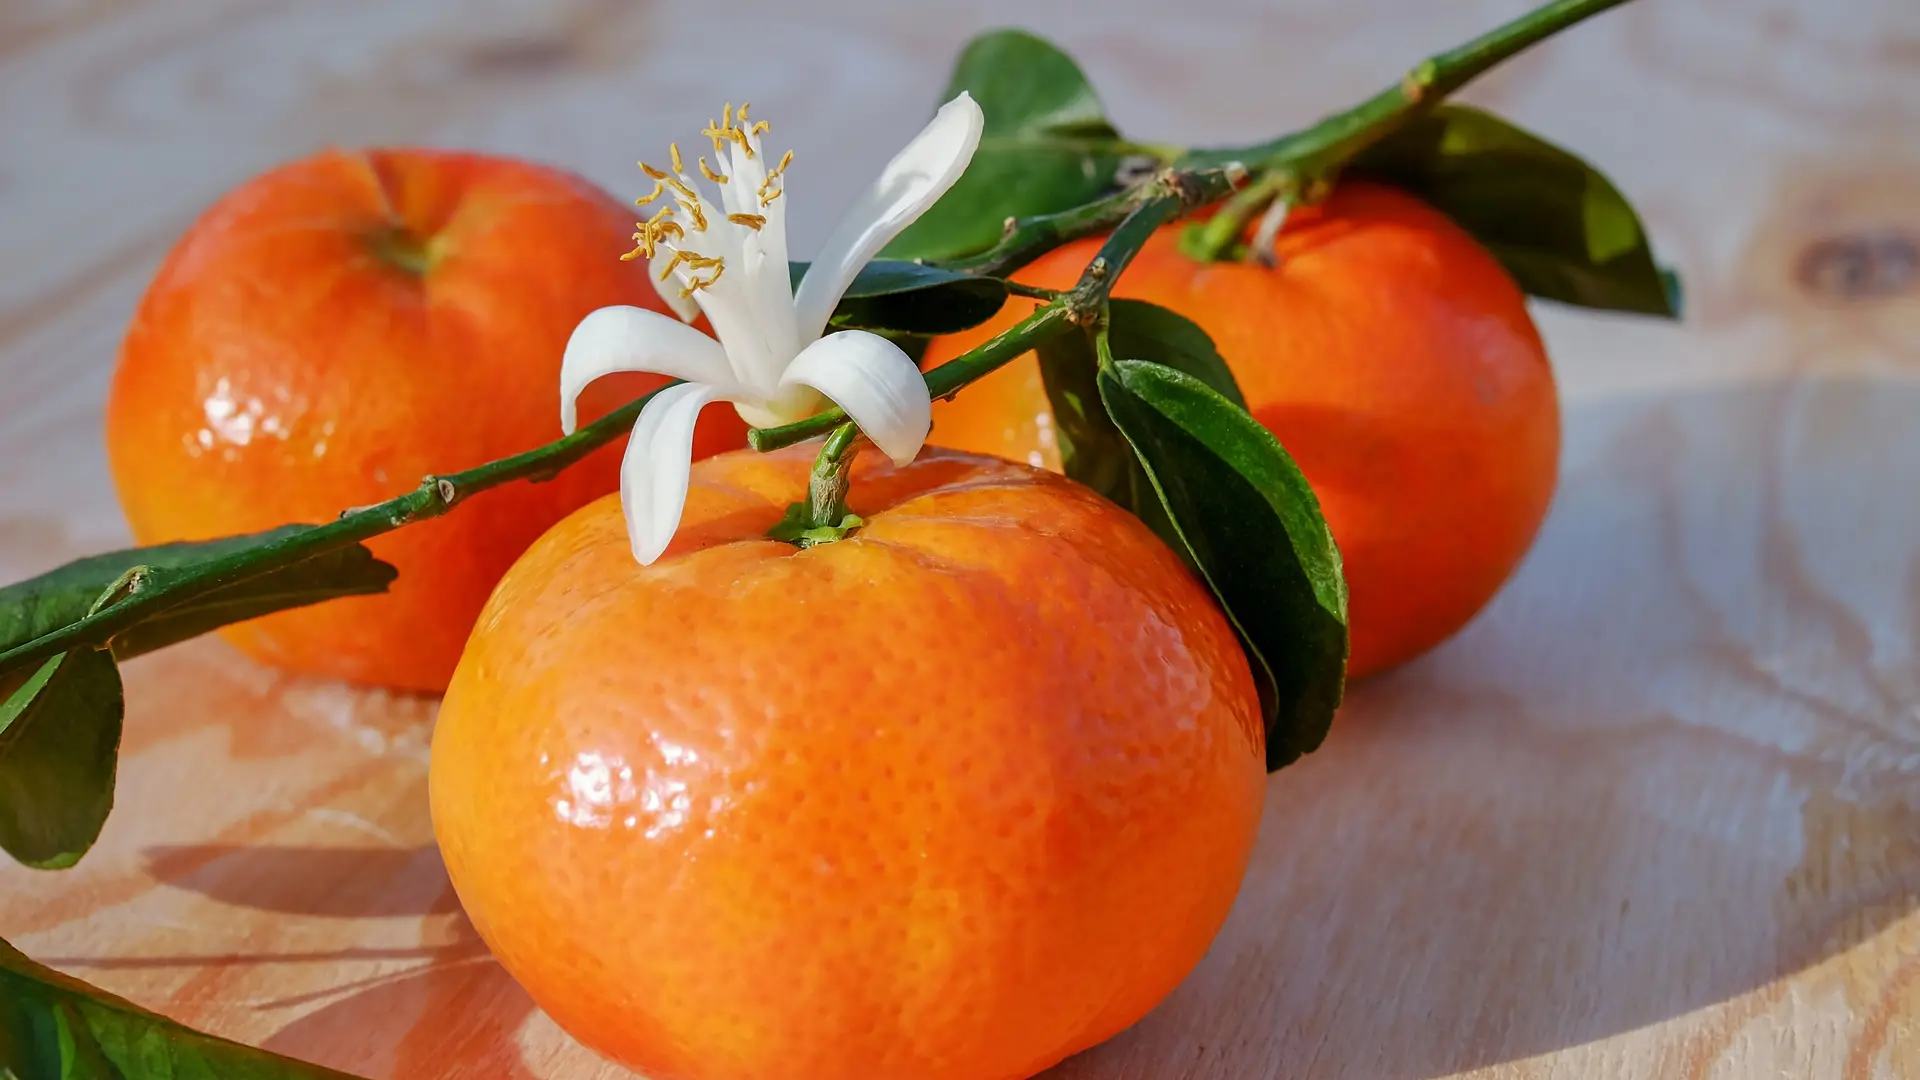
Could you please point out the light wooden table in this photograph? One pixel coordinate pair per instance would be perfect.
(1655, 814)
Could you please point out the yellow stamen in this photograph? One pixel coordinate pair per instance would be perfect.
(751, 221)
(741, 117)
(673, 151)
(690, 202)
(652, 172)
(768, 192)
(721, 135)
(650, 232)
(710, 174)
(726, 114)
(658, 190)
(719, 267)
(760, 127)
(694, 261)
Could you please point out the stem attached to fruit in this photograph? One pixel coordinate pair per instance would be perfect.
(1301, 165)
(827, 487)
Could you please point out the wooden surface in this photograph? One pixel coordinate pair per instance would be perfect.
(1655, 814)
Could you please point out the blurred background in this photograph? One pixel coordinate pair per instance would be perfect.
(1655, 813)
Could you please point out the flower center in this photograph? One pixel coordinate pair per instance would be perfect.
(669, 225)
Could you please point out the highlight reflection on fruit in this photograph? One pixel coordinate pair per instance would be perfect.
(334, 330)
(1394, 359)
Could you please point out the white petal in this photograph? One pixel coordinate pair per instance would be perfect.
(635, 339)
(875, 383)
(655, 471)
(913, 181)
(669, 289)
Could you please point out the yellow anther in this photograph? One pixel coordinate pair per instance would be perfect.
(741, 117)
(694, 261)
(760, 127)
(698, 283)
(668, 228)
(722, 135)
(691, 204)
(710, 174)
(658, 190)
(652, 172)
(673, 151)
(751, 221)
(767, 191)
(650, 232)
(726, 114)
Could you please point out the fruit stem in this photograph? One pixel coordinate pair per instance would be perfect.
(1319, 151)
(1215, 238)
(827, 487)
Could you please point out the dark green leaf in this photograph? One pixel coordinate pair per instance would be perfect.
(1253, 528)
(1092, 450)
(1139, 330)
(59, 746)
(38, 605)
(55, 1027)
(1559, 227)
(908, 298)
(1046, 147)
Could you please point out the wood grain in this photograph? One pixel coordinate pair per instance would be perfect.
(1655, 814)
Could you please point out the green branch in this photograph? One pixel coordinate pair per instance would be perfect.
(143, 594)
(1302, 162)
(1027, 239)
(1138, 212)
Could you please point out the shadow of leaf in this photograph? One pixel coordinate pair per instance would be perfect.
(334, 882)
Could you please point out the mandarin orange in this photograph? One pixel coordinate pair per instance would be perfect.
(339, 327)
(1391, 355)
(952, 798)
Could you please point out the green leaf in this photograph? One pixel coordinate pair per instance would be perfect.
(55, 1027)
(1047, 146)
(1254, 529)
(898, 297)
(1139, 330)
(1092, 450)
(39, 605)
(59, 749)
(1559, 227)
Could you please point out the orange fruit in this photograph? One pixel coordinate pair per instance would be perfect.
(953, 798)
(336, 329)
(1391, 355)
